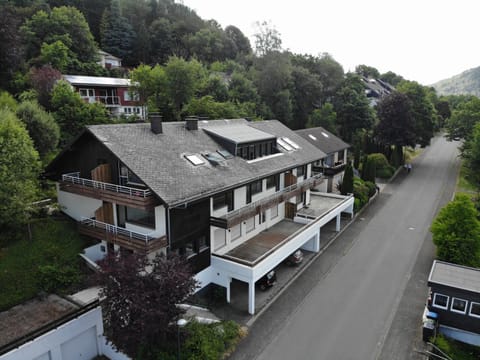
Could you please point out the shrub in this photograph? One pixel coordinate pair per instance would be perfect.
(372, 188)
(52, 277)
(209, 342)
(382, 168)
(369, 170)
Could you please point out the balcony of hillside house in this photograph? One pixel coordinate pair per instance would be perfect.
(108, 100)
(330, 170)
(121, 195)
(279, 241)
(237, 216)
(132, 240)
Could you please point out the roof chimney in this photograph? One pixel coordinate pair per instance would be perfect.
(191, 122)
(155, 122)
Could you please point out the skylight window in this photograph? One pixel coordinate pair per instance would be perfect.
(225, 154)
(214, 159)
(325, 134)
(195, 159)
(312, 137)
(284, 145)
(291, 143)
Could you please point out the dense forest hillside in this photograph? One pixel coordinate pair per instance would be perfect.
(466, 83)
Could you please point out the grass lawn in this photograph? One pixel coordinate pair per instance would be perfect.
(457, 350)
(49, 262)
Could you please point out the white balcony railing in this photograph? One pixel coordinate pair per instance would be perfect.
(265, 200)
(112, 229)
(74, 178)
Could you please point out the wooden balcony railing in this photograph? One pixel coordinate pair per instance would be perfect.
(237, 216)
(128, 239)
(122, 195)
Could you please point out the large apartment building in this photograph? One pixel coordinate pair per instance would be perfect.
(233, 196)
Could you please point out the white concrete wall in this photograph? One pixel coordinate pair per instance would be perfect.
(50, 345)
(77, 206)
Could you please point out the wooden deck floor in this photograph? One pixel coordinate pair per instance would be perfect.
(255, 248)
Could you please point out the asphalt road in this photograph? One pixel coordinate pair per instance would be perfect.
(349, 302)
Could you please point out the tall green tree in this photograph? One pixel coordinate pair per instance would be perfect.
(66, 24)
(241, 44)
(456, 232)
(11, 49)
(116, 32)
(367, 71)
(72, 114)
(273, 77)
(396, 125)
(422, 110)
(347, 182)
(41, 126)
(19, 169)
(391, 78)
(306, 92)
(352, 107)
(161, 40)
(463, 119)
(369, 169)
(150, 84)
(55, 55)
(327, 69)
(471, 155)
(325, 117)
(183, 79)
(208, 44)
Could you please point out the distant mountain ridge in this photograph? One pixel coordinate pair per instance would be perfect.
(468, 82)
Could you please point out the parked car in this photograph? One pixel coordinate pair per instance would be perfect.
(268, 280)
(295, 258)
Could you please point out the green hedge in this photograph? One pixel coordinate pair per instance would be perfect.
(383, 169)
(362, 190)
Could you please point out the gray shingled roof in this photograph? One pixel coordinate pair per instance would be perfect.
(159, 159)
(323, 139)
(456, 276)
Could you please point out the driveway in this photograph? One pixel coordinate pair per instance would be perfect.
(359, 299)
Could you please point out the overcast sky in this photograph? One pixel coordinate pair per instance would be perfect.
(421, 40)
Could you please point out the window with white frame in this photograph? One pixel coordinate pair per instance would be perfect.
(459, 305)
(440, 301)
(274, 212)
(130, 96)
(87, 92)
(474, 309)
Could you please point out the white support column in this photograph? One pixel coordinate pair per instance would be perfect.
(337, 227)
(228, 289)
(251, 297)
(317, 242)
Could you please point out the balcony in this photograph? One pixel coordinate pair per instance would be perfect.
(144, 243)
(237, 216)
(286, 236)
(108, 101)
(330, 170)
(122, 195)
